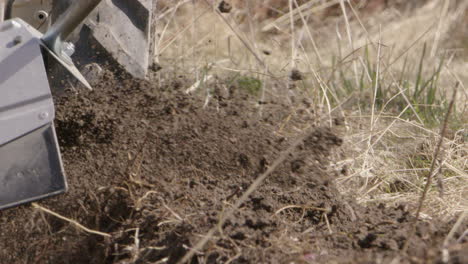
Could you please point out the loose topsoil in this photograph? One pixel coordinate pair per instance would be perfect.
(156, 168)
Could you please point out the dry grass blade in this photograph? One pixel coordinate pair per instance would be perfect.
(244, 42)
(433, 165)
(180, 33)
(71, 221)
(306, 9)
(309, 33)
(303, 207)
(443, 15)
(350, 38)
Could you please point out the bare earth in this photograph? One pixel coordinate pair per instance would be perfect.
(150, 160)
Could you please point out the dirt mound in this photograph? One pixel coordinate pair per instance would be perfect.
(155, 168)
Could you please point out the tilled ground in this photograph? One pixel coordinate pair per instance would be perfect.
(155, 169)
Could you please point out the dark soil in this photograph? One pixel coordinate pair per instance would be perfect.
(151, 166)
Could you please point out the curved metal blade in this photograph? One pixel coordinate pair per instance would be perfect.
(123, 28)
(30, 163)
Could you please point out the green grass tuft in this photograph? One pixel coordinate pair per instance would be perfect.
(251, 85)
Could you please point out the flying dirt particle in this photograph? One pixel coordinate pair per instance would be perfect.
(296, 75)
(244, 160)
(155, 67)
(339, 121)
(344, 170)
(224, 7)
(263, 164)
(307, 102)
(297, 166)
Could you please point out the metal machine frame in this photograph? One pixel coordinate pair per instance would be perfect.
(30, 162)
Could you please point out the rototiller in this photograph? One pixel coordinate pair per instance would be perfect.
(30, 162)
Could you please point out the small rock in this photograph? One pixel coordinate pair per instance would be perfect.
(224, 7)
(93, 73)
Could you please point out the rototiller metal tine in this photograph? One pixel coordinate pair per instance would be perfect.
(30, 163)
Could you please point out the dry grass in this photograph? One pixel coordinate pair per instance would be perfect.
(395, 70)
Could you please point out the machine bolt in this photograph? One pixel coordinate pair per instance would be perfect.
(43, 115)
(68, 48)
(41, 15)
